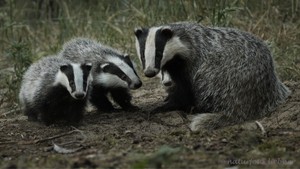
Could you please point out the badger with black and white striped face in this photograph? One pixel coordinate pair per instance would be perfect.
(108, 78)
(220, 70)
(113, 72)
(54, 88)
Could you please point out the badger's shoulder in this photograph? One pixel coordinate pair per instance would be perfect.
(47, 65)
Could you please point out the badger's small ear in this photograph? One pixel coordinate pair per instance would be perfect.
(104, 65)
(167, 32)
(138, 31)
(126, 56)
(63, 68)
(88, 66)
(101, 67)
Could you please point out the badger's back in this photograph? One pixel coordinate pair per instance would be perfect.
(231, 71)
(87, 50)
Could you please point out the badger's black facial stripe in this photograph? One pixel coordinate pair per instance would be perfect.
(141, 35)
(115, 70)
(69, 72)
(161, 38)
(85, 71)
(128, 61)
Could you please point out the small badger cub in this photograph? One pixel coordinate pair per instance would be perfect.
(225, 73)
(54, 88)
(113, 72)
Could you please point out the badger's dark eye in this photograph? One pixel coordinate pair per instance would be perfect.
(123, 77)
(71, 83)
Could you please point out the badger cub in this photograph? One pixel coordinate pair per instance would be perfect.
(225, 73)
(54, 89)
(113, 72)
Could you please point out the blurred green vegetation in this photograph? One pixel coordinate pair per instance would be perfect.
(42, 26)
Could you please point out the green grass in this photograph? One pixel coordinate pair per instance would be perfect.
(44, 32)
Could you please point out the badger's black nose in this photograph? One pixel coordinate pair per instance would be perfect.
(168, 83)
(150, 73)
(134, 86)
(79, 95)
(138, 85)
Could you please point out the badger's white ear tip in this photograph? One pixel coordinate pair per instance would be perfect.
(166, 28)
(104, 65)
(126, 55)
(89, 64)
(137, 29)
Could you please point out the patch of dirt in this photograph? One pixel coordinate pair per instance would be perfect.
(140, 140)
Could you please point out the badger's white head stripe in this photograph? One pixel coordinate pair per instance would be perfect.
(78, 78)
(150, 49)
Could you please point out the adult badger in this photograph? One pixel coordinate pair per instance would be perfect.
(220, 70)
(113, 72)
(54, 88)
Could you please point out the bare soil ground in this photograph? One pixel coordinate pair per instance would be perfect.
(139, 140)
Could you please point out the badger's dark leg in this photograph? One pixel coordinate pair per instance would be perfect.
(47, 116)
(31, 113)
(180, 96)
(75, 112)
(123, 98)
(99, 99)
(50, 107)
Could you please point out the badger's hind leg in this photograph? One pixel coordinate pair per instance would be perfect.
(122, 97)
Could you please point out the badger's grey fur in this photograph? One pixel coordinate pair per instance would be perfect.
(227, 73)
(54, 88)
(113, 72)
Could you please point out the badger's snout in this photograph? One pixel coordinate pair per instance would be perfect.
(167, 83)
(151, 72)
(135, 85)
(79, 95)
